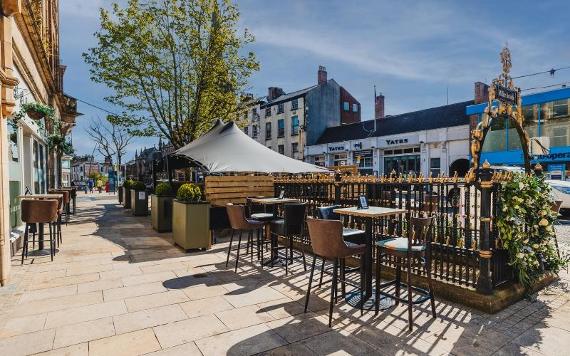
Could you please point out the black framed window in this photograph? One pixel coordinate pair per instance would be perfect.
(280, 128)
(268, 131)
(268, 111)
(254, 131)
(294, 147)
(280, 108)
(281, 149)
(294, 104)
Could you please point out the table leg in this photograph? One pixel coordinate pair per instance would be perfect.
(40, 236)
(368, 259)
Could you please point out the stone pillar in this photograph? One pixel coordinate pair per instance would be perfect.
(485, 281)
(7, 83)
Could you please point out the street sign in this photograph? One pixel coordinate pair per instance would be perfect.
(506, 95)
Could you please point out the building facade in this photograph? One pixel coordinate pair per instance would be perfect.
(30, 71)
(430, 142)
(83, 167)
(547, 121)
(287, 122)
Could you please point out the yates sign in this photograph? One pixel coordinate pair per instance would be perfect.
(506, 95)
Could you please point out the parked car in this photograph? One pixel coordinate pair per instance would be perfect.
(561, 191)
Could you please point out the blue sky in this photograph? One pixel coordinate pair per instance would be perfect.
(413, 51)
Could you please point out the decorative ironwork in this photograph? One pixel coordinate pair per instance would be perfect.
(505, 102)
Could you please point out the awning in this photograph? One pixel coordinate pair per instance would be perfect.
(226, 149)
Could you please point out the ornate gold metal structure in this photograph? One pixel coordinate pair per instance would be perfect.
(505, 102)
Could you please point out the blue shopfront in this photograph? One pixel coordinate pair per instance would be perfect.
(547, 122)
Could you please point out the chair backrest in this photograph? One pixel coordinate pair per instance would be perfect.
(556, 206)
(294, 216)
(420, 231)
(236, 215)
(326, 237)
(386, 198)
(327, 213)
(429, 204)
(66, 194)
(39, 211)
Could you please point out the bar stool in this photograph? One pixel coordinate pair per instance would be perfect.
(327, 243)
(66, 199)
(292, 224)
(354, 236)
(413, 251)
(240, 223)
(38, 212)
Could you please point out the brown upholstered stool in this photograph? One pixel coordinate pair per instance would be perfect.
(328, 243)
(39, 212)
(240, 223)
(66, 199)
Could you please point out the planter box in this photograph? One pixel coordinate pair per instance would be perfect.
(191, 225)
(161, 212)
(139, 202)
(126, 198)
(120, 195)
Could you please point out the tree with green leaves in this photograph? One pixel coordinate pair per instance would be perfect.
(175, 66)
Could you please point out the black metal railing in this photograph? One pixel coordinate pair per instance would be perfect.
(464, 239)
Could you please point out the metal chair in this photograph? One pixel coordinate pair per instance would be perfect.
(38, 212)
(327, 243)
(292, 224)
(240, 223)
(413, 251)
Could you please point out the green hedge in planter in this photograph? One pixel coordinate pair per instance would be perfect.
(161, 207)
(189, 193)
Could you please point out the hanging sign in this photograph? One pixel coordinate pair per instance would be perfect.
(506, 95)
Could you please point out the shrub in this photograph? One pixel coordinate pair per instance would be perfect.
(128, 184)
(138, 185)
(189, 193)
(163, 189)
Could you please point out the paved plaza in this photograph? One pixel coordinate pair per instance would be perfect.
(119, 288)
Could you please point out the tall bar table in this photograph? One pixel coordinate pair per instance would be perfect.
(373, 212)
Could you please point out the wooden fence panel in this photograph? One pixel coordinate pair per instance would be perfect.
(221, 190)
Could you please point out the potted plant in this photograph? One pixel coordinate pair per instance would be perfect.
(127, 193)
(139, 199)
(161, 207)
(191, 218)
(38, 111)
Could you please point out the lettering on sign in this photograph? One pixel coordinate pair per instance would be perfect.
(552, 156)
(506, 95)
(336, 148)
(397, 141)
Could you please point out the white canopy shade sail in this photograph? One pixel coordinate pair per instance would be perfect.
(226, 149)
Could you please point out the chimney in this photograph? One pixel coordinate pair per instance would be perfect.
(322, 75)
(481, 93)
(274, 92)
(379, 107)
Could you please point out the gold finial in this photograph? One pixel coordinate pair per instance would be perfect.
(486, 165)
(506, 60)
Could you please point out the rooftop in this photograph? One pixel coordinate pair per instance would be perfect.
(427, 119)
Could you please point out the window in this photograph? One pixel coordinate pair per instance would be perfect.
(294, 104)
(254, 131)
(268, 111)
(294, 125)
(346, 106)
(560, 108)
(339, 159)
(319, 161)
(354, 107)
(268, 131)
(280, 128)
(281, 149)
(435, 166)
(254, 111)
(80, 168)
(280, 108)
(246, 130)
(294, 148)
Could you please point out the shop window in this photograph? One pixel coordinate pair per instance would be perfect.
(346, 106)
(555, 122)
(402, 164)
(435, 166)
(280, 128)
(340, 159)
(281, 149)
(319, 161)
(268, 130)
(294, 125)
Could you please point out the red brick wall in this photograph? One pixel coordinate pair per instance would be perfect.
(348, 117)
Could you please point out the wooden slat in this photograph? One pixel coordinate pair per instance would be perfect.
(221, 190)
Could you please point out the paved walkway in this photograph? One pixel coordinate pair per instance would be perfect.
(118, 288)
